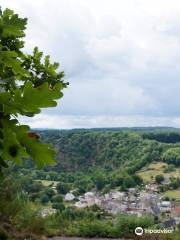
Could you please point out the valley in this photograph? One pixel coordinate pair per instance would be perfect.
(103, 179)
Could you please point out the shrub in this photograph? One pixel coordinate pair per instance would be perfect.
(44, 199)
(91, 229)
(57, 198)
(125, 224)
(34, 187)
(58, 206)
(159, 179)
(62, 188)
(50, 192)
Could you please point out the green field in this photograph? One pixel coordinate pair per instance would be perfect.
(173, 194)
(47, 183)
(156, 168)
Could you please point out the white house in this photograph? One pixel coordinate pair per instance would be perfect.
(69, 197)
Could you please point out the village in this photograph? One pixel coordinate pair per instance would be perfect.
(133, 202)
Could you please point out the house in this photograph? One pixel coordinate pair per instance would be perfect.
(69, 197)
(117, 195)
(166, 204)
(155, 210)
(89, 197)
(113, 207)
(176, 213)
(98, 201)
(135, 211)
(132, 190)
(151, 187)
(81, 204)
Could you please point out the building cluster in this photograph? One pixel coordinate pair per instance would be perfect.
(133, 202)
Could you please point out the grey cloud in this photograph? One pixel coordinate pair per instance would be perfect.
(122, 58)
(71, 121)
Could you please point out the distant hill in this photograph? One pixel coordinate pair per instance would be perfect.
(105, 159)
(119, 148)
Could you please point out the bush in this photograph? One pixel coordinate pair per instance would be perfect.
(163, 188)
(91, 229)
(34, 187)
(125, 225)
(34, 196)
(44, 199)
(159, 179)
(29, 220)
(62, 188)
(175, 183)
(169, 168)
(57, 198)
(172, 156)
(50, 192)
(58, 206)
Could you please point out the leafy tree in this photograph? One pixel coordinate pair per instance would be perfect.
(58, 205)
(159, 179)
(137, 179)
(50, 192)
(128, 182)
(34, 187)
(44, 199)
(28, 83)
(34, 196)
(57, 198)
(62, 188)
(172, 156)
(175, 183)
(100, 180)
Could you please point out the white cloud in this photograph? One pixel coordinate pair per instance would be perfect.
(122, 58)
(71, 121)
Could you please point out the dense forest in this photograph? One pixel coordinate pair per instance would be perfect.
(110, 156)
(86, 160)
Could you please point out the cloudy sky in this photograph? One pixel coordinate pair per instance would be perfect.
(121, 58)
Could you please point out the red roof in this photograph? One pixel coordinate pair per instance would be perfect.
(177, 209)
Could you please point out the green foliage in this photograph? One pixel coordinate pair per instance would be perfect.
(175, 183)
(58, 205)
(82, 149)
(172, 156)
(159, 179)
(125, 224)
(44, 199)
(16, 214)
(169, 168)
(57, 198)
(34, 187)
(90, 229)
(62, 188)
(50, 192)
(98, 158)
(166, 136)
(91, 226)
(27, 84)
